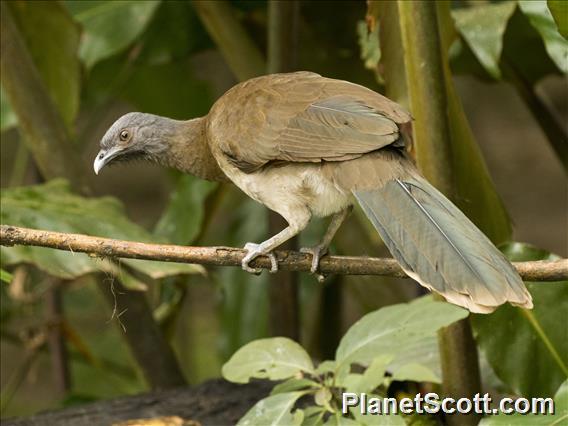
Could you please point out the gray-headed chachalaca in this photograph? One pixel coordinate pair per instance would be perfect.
(304, 145)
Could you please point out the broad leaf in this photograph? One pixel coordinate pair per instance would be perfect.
(424, 351)
(52, 206)
(375, 419)
(338, 420)
(244, 307)
(559, 10)
(390, 330)
(415, 372)
(528, 349)
(181, 221)
(52, 38)
(174, 32)
(560, 416)
(274, 410)
(483, 27)
(109, 26)
(373, 377)
(294, 384)
(275, 358)
(313, 416)
(542, 20)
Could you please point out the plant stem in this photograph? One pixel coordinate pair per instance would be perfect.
(427, 91)
(39, 121)
(55, 338)
(143, 335)
(554, 131)
(238, 49)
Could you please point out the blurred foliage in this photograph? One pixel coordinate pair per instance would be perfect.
(182, 219)
(532, 341)
(55, 56)
(106, 56)
(557, 418)
(53, 207)
(109, 26)
(364, 344)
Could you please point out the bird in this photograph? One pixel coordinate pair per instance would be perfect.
(306, 146)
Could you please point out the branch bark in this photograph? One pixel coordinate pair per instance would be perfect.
(556, 270)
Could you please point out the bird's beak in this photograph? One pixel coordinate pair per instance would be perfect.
(104, 156)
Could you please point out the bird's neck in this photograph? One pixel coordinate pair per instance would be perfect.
(189, 152)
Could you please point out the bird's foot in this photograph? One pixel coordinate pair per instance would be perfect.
(317, 253)
(253, 251)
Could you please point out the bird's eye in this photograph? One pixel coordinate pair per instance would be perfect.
(124, 135)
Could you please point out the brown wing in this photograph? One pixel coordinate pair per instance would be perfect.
(302, 117)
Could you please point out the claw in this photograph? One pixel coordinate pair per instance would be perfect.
(253, 251)
(317, 253)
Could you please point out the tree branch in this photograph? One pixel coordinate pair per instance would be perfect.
(556, 270)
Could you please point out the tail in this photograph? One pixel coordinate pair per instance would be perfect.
(438, 246)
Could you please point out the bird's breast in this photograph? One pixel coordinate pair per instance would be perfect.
(290, 186)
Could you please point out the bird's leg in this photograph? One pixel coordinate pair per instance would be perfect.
(295, 226)
(321, 249)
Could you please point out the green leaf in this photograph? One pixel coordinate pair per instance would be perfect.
(424, 351)
(528, 349)
(7, 117)
(276, 358)
(373, 377)
(483, 27)
(338, 420)
(52, 39)
(294, 384)
(416, 373)
(109, 26)
(376, 419)
(181, 221)
(169, 89)
(52, 206)
(325, 367)
(5, 276)
(244, 309)
(313, 416)
(560, 416)
(541, 19)
(559, 10)
(274, 410)
(369, 44)
(390, 330)
(175, 32)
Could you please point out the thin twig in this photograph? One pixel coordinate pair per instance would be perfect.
(555, 270)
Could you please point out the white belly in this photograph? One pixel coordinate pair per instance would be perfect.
(287, 188)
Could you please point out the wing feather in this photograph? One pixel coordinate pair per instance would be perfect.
(302, 117)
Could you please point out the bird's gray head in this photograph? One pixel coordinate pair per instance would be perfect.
(135, 135)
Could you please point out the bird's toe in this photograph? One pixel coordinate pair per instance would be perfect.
(317, 253)
(253, 251)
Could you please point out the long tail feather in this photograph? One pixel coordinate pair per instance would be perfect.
(439, 247)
